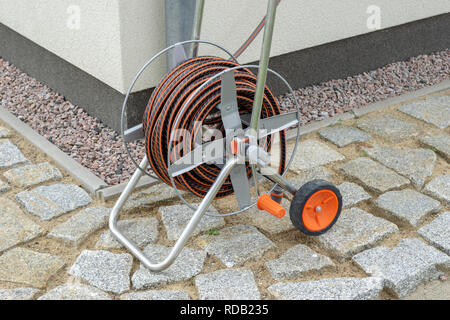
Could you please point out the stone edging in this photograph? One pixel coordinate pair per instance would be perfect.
(87, 179)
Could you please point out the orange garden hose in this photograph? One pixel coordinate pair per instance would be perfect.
(166, 103)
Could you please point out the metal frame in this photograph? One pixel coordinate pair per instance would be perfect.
(226, 170)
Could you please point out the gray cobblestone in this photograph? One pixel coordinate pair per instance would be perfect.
(18, 294)
(105, 270)
(352, 194)
(389, 127)
(407, 205)
(404, 267)
(15, 226)
(439, 188)
(342, 136)
(415, 164)
(75, 292)
(314, 154)
(329, 289)
(79, 227)
(156, 295)
(29, 267)
(154, 194)
(237, 244)
(438, 232)
(175, 218)
(10, 155)
(48, 202)
(373, 175)
(356, 230)
(141, 231)
(439, 142)
(434, 110)
(188, 264)
(297, 261)
(32, 174)
(227, 285)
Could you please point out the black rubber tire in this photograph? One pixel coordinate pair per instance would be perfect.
(299, 201)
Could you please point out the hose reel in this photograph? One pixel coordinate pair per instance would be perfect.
(166, 103)
(213, 94)
(188, 99)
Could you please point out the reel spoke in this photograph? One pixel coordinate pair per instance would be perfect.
(241, 185)
(277, 123)
(133, 134)
(272, 125)
(207, 152)
(233, 127)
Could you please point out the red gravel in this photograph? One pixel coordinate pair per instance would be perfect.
(100, 149)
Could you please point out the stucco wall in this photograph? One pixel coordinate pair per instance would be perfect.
(117, 36)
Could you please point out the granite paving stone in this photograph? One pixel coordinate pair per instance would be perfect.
(305, 176)
(439, 188)
(175, 218)
(4, 133)
(105, 270)
(267, 222)
(29, 267)
(389, 127)
(75, 292)
(80, 226)
(415, 164)
(236, 244)
(355, 231)
(154, 194)
(342, 136)
(313, 153)
(373, 176)
(329, 289)
(10, 155)
(352, 194)
(297, 261)
(439, 142)
(434, 110)
(15, 226)
(437, 232)
(4, 187)
(227, 285)
(48, 202)
(33, 174)
(407, 205)
(156, 295)
(141, 231)
(188, 264)
(18, 294)
(405, 267)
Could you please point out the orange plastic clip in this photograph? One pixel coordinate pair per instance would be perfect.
(266, 203)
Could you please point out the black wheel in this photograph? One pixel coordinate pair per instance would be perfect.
(316, 207)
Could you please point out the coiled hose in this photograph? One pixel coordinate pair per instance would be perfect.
(166, 103)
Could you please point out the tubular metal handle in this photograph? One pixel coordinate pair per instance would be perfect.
(189, 229)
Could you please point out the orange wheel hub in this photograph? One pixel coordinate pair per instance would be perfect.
(320, 210)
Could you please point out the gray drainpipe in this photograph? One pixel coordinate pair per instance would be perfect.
(180, 15)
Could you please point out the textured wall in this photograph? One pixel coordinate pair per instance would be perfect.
(117, 36)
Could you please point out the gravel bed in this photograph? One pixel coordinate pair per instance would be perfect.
(100, 149)
(341, 95)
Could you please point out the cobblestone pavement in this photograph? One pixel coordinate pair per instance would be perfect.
(393, 236)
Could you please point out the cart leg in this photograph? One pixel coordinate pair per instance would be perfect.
(179, 245)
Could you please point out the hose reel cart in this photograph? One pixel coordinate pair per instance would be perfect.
(205, 94)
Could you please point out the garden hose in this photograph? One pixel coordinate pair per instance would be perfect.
(167, 102)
